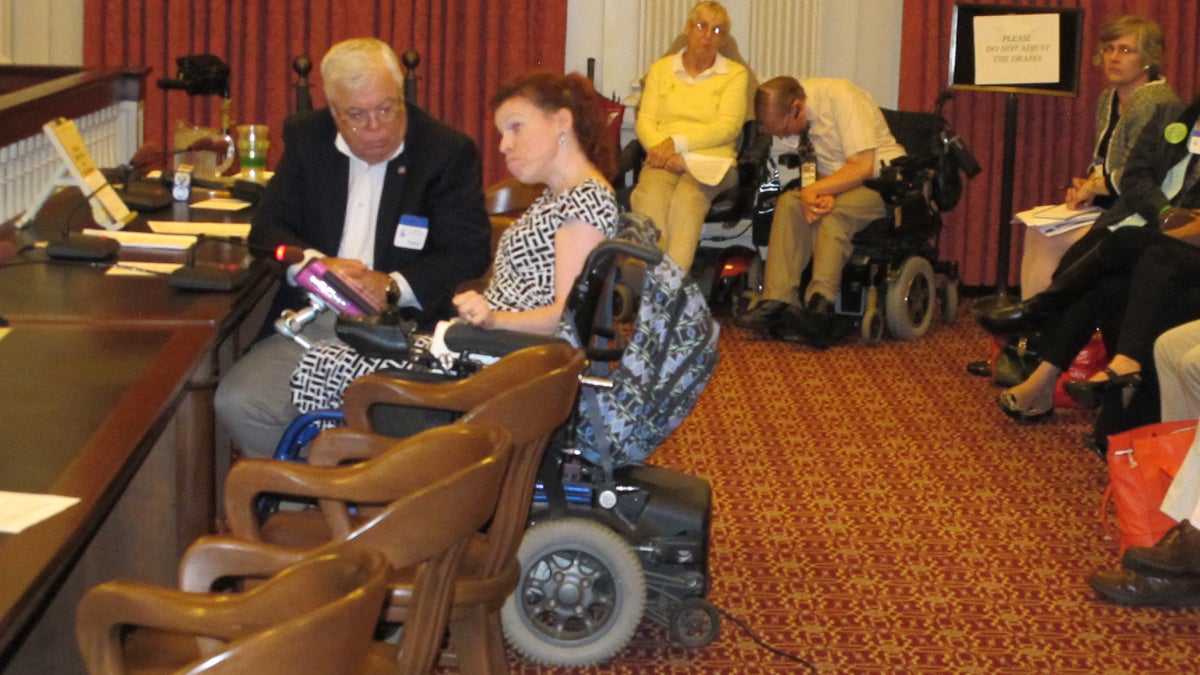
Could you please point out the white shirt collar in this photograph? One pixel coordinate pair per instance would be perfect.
(719, 66)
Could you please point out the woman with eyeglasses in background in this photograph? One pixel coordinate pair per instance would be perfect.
(1130, 56)
(693, 102)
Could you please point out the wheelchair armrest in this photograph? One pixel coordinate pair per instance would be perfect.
(384, 336)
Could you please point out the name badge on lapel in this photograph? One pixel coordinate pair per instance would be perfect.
(1194, 140)
(411, 232)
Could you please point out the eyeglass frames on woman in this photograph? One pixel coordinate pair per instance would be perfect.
(702, 27)
(1120, 50)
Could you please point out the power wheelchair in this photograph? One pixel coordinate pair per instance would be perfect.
(593, 525)
(889, 282)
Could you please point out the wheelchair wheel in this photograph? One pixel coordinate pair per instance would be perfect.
(910, 300)
(581, 594)
(694, 623)
(949, 301)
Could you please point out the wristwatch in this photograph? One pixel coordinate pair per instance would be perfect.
(393, 292)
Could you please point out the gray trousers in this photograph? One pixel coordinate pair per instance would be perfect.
(254, 400)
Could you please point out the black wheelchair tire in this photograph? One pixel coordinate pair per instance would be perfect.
(694, 623)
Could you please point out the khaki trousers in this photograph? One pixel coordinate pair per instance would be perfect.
(827, 243)
(1177, 360)
(677, 205)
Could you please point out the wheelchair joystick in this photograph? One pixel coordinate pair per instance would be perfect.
(325, 290)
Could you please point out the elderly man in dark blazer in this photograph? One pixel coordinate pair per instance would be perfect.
(389, 197)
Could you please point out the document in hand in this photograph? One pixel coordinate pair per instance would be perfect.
(1058, 218)
(706, 169)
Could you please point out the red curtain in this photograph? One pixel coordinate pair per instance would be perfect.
(1055, 135)
(466, 47)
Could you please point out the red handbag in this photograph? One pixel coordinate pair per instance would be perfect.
(1142, 462)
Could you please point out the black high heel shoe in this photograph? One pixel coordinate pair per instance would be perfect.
(1009, 406)
(1090, 393)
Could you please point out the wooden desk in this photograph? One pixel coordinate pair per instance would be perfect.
(107, 396)
(85, 411)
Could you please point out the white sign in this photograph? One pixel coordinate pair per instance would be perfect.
(1016, 49)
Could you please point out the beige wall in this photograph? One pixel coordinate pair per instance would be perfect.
(607, 30)
(41, 32)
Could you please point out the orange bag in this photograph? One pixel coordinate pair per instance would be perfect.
(1141, 464)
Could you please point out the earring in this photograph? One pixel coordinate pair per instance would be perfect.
(562, 139)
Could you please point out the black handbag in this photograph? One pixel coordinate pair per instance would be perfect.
(1015, 360)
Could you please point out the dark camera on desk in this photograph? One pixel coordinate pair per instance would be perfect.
(200, 74)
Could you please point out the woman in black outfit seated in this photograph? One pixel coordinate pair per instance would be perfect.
(1159, 188)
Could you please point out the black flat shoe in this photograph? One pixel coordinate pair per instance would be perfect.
(1090, 393)
(1009, 406)
(1022, 317)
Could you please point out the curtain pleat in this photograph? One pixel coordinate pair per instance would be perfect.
(467, 47)
(1055, 135)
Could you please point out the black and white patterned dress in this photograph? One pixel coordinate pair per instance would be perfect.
(522, 279)
(523, 272)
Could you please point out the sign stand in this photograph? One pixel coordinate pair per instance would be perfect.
(79, 169)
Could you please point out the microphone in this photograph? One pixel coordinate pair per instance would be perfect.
(144, 195)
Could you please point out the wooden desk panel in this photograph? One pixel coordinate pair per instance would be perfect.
(61, 292)
(104, 396)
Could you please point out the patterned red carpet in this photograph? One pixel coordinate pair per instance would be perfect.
(876, 513)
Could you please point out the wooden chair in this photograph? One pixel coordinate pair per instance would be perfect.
(510, 197)
(530, 392)
(419, 501)
(315, 616)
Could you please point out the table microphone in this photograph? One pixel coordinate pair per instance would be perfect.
(79, 246)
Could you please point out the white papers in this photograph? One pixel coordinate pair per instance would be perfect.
(19, 510)
(146, 239)
(142, 269)
(221, 204)
(1058, 218)
(223, 230)
(707, 169)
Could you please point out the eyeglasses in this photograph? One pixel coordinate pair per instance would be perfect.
(703, 27)
(358, 117)
(1122, 50)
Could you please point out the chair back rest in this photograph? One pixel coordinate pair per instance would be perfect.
(510, 197)
(332, 602)
(532, 412)
(530, 392)
(430, 528)
(318, 615)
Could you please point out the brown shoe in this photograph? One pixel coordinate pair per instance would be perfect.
(1129, 588)
(1177, 554)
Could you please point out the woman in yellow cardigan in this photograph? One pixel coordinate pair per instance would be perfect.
(694, 102)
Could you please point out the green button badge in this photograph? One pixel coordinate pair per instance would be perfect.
(1175, 132)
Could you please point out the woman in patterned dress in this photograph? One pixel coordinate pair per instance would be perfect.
(551, 132)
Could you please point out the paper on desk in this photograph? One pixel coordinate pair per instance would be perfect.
(206, 229)
(1056, 219)
(146, 239)
(221, 204)
(142, 269)
(707, 169)
(19, 510)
